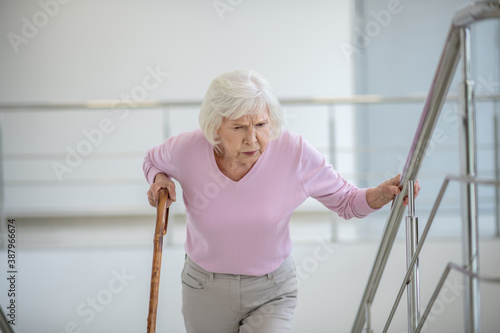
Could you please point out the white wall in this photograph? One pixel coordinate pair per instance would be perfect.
(94, 49)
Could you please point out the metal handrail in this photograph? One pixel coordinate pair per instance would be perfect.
(443, 76)
(425, 232)
(149, 104)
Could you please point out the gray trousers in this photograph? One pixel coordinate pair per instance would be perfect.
(226, 303)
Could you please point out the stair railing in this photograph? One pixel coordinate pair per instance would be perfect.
(415, 321)
(457, 45)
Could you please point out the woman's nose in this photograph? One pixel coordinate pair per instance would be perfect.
(250, 135)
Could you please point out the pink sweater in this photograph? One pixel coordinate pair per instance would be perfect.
(243, 227)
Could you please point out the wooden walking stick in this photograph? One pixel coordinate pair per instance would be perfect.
(160, 231)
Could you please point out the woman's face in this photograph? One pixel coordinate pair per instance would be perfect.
(245, 139)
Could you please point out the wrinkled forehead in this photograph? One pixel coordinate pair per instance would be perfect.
(256, 114)
(259, 115)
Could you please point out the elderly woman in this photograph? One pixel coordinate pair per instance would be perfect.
(242, 177)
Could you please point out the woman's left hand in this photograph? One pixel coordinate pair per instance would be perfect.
(381, 195)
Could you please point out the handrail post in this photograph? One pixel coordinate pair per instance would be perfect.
(413, 287)
(496, 140)
(468, 166)
(368, 320)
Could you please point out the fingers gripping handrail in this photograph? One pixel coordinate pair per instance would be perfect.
(443, 76)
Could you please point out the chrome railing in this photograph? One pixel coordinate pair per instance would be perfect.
(413, 259)
(149, 104)
(413, 284)
(456, 46)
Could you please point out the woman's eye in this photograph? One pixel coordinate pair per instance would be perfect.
(261, 124)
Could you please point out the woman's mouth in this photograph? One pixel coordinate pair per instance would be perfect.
(250, 153)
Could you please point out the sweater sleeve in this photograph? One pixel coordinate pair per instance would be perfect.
(322, 182)
(159, 160)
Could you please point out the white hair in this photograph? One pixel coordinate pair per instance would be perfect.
(236, 94)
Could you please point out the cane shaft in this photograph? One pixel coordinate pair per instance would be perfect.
(161, 229)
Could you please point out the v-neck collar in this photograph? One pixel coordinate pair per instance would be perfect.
(249, 174)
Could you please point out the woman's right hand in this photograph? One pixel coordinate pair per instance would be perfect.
(161, 181)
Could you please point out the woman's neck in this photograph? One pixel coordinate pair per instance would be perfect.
(234, 170)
